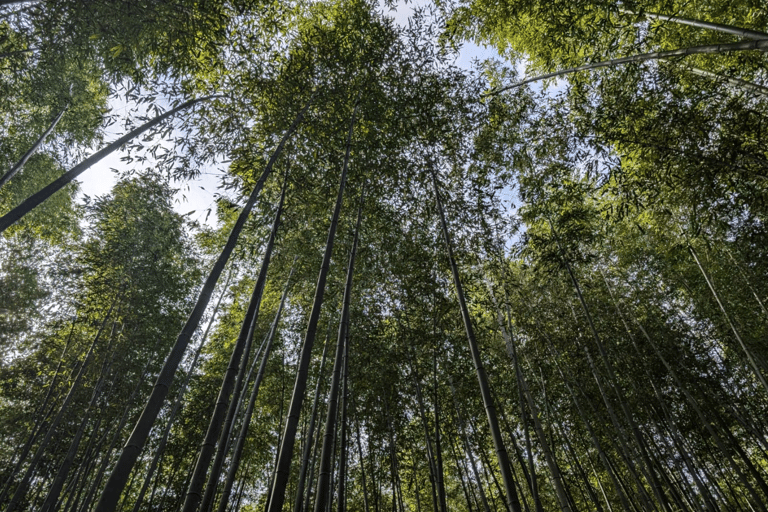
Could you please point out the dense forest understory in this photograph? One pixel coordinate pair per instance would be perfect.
(538, 284)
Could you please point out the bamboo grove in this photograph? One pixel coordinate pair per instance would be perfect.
(537, 284)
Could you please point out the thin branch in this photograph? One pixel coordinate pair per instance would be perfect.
(728, 29)
(761, 45)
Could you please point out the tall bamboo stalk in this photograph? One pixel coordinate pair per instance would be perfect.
(22, 487)
(485, 390)
(135, 443)
(285, 453)
(223, 414)
(234, 463)
(326, 458)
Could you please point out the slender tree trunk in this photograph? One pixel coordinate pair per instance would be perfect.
(750, 358)
(135, 443)
(343, 464)
(584, 478)
(549, 455)
(22, 487)
(38, 197)
(485, 390)
(285, 453)
(460, 472)
(85, 468)
(362, 469)
(17, 167)
(279, 424)
(58, 483)
(238, 450)
(52, 498)
(311, 446)
(618, 486)
(646, 467)
(472, 464)
(397, 499)
(324, 489)
(332, 481)
(427, 439)
(682, 52)
(484, 463)
(417, 491)
(523, 397)
(121, 424)
(747, 280)
(709, 504)
(231, 385)
(40, 421)
(438, 445)
(708, 424)
(160, 450)
(240, 491)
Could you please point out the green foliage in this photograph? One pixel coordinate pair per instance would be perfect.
(618, 364)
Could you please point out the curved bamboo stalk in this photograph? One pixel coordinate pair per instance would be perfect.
(761, 45)
(40, 196)
(735, 82)
(720, 27)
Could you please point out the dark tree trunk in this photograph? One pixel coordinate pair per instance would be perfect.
(38, 197)
(238, 450)
(40, 421)
(324, 489)
(285, 453)
(223, 413)
(343, 463)
(485, 390)
(22, 487)
(135, 443)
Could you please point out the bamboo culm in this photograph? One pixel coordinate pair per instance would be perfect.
(238, 450)
(40, 422)
(343, 441)
(54, 491)
(285, 453)
(719, 27)
(133, 447)
(485, 390)
(160, 450)
(326, 457)
(681, 52)
(21, 489)
(750, 358)
(23, 160)
(37, 198)
(299, 505)
(235, 369)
